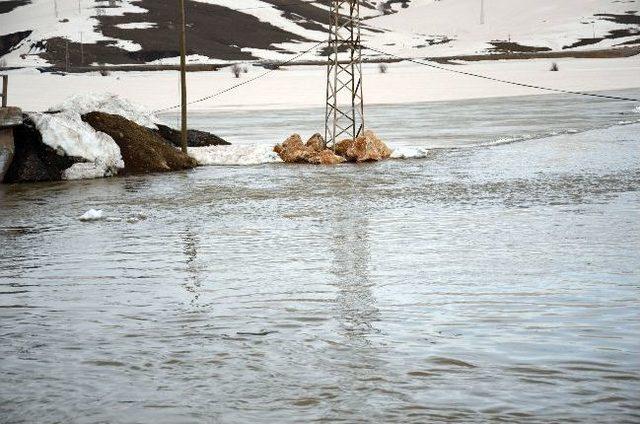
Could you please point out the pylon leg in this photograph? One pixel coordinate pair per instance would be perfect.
(344, 111)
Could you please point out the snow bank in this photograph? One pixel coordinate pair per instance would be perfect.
(66, 133)
(234, 155)
(107, 103)
(63, 130)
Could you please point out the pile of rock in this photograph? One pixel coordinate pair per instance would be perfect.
(293, 150)
(366, 148)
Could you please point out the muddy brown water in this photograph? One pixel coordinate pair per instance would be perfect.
(479, 284)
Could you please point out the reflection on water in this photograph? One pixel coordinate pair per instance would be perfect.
(193, 285)
(480, 284)
(357, 310)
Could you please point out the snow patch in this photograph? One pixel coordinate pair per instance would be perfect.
(107, 103)
(234, 155)
(67, 134)
(92, 215)
(137, 25)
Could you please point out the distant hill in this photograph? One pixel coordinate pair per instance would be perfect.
(92, 32)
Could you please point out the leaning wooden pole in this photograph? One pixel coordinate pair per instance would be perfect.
(183, 78)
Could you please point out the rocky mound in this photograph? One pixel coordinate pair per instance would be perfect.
(142, 150)
(293, 150)
(195, 138)
(365, 148)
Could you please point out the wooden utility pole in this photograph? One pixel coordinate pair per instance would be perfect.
(66, 55)
(5, 88)
(183, 78)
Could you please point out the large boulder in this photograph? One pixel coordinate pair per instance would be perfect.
(317, 143)
(33, 160)
(143, 151)
(365, 148)
(293, 150)
(326, 157)
(195, 138)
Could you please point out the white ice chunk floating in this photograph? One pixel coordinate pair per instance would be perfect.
(92, 215)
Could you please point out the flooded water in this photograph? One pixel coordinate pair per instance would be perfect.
(481, 283)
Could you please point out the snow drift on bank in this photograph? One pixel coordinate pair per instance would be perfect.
(67, 134)
(63, 129)
(107, 103)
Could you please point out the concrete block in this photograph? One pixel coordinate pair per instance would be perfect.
(7, 150)
(10, 116)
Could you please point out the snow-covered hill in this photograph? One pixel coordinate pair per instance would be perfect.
(89, 32)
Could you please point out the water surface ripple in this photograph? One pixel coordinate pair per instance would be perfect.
(482, 284)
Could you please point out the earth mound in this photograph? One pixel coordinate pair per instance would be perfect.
(143, 151)
(195, 138)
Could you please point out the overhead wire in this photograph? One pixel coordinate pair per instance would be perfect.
(250, 80)
(419, 61)
(500, 80)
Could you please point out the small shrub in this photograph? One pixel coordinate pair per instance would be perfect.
(245, 70)
(236, 70)
(383, 68)
(554, 67)
(104, 72)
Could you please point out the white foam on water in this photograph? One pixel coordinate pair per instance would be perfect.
(234, 155)
(409, 152)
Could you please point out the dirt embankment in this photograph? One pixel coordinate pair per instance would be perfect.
(142, 150)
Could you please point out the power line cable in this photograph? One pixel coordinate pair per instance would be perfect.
(233, 87)
(485, 77)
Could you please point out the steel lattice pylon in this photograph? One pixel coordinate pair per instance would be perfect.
(344, 115)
